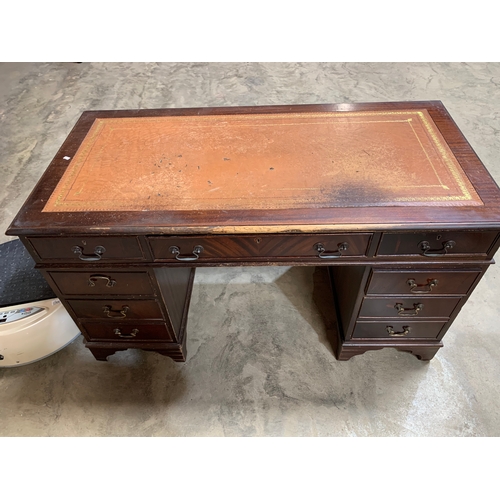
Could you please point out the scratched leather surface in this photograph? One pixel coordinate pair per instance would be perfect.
(270, 162)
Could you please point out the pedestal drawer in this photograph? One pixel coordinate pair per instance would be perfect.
(413, 307)
(398, 329)
(116, 309)
(421, 282)
(102, 282)
(127, 332)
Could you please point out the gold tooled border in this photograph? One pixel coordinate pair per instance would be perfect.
(56, 201)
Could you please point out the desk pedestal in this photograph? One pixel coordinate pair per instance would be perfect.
(409, 308)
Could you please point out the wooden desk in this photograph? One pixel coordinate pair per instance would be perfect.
(389, 196)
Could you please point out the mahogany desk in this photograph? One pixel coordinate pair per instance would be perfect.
(390, 196)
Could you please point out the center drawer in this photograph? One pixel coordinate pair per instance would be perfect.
(116, 309)
(322, 246)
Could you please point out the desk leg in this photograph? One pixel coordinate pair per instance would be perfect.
(101, 354)
(422, 353)
(175, 351)
(346, 351)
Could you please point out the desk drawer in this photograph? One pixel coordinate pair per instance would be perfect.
(421, 282)
(398, 329)
(88, 249)
(437, 244)
(322, 246)
(102, 282)
(116, 309)
(413, 307)
(126, 332)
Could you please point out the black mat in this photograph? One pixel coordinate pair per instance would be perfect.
(19, 282)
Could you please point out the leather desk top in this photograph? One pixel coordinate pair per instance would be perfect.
(314, 167)
(245, 162)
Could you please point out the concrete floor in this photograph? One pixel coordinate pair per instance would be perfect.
(259, 361)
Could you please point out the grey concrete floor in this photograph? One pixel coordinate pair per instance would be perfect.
(259, 361)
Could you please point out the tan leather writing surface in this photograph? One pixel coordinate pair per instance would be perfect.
(262, 161)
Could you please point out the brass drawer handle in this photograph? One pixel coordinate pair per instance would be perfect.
(414, 288)
(196, 252)
(116, 314)
(392, 333)
(93, 280)
(98, 251)
(130, 335)
(426, 248)
(413, 311)
(341, 247)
